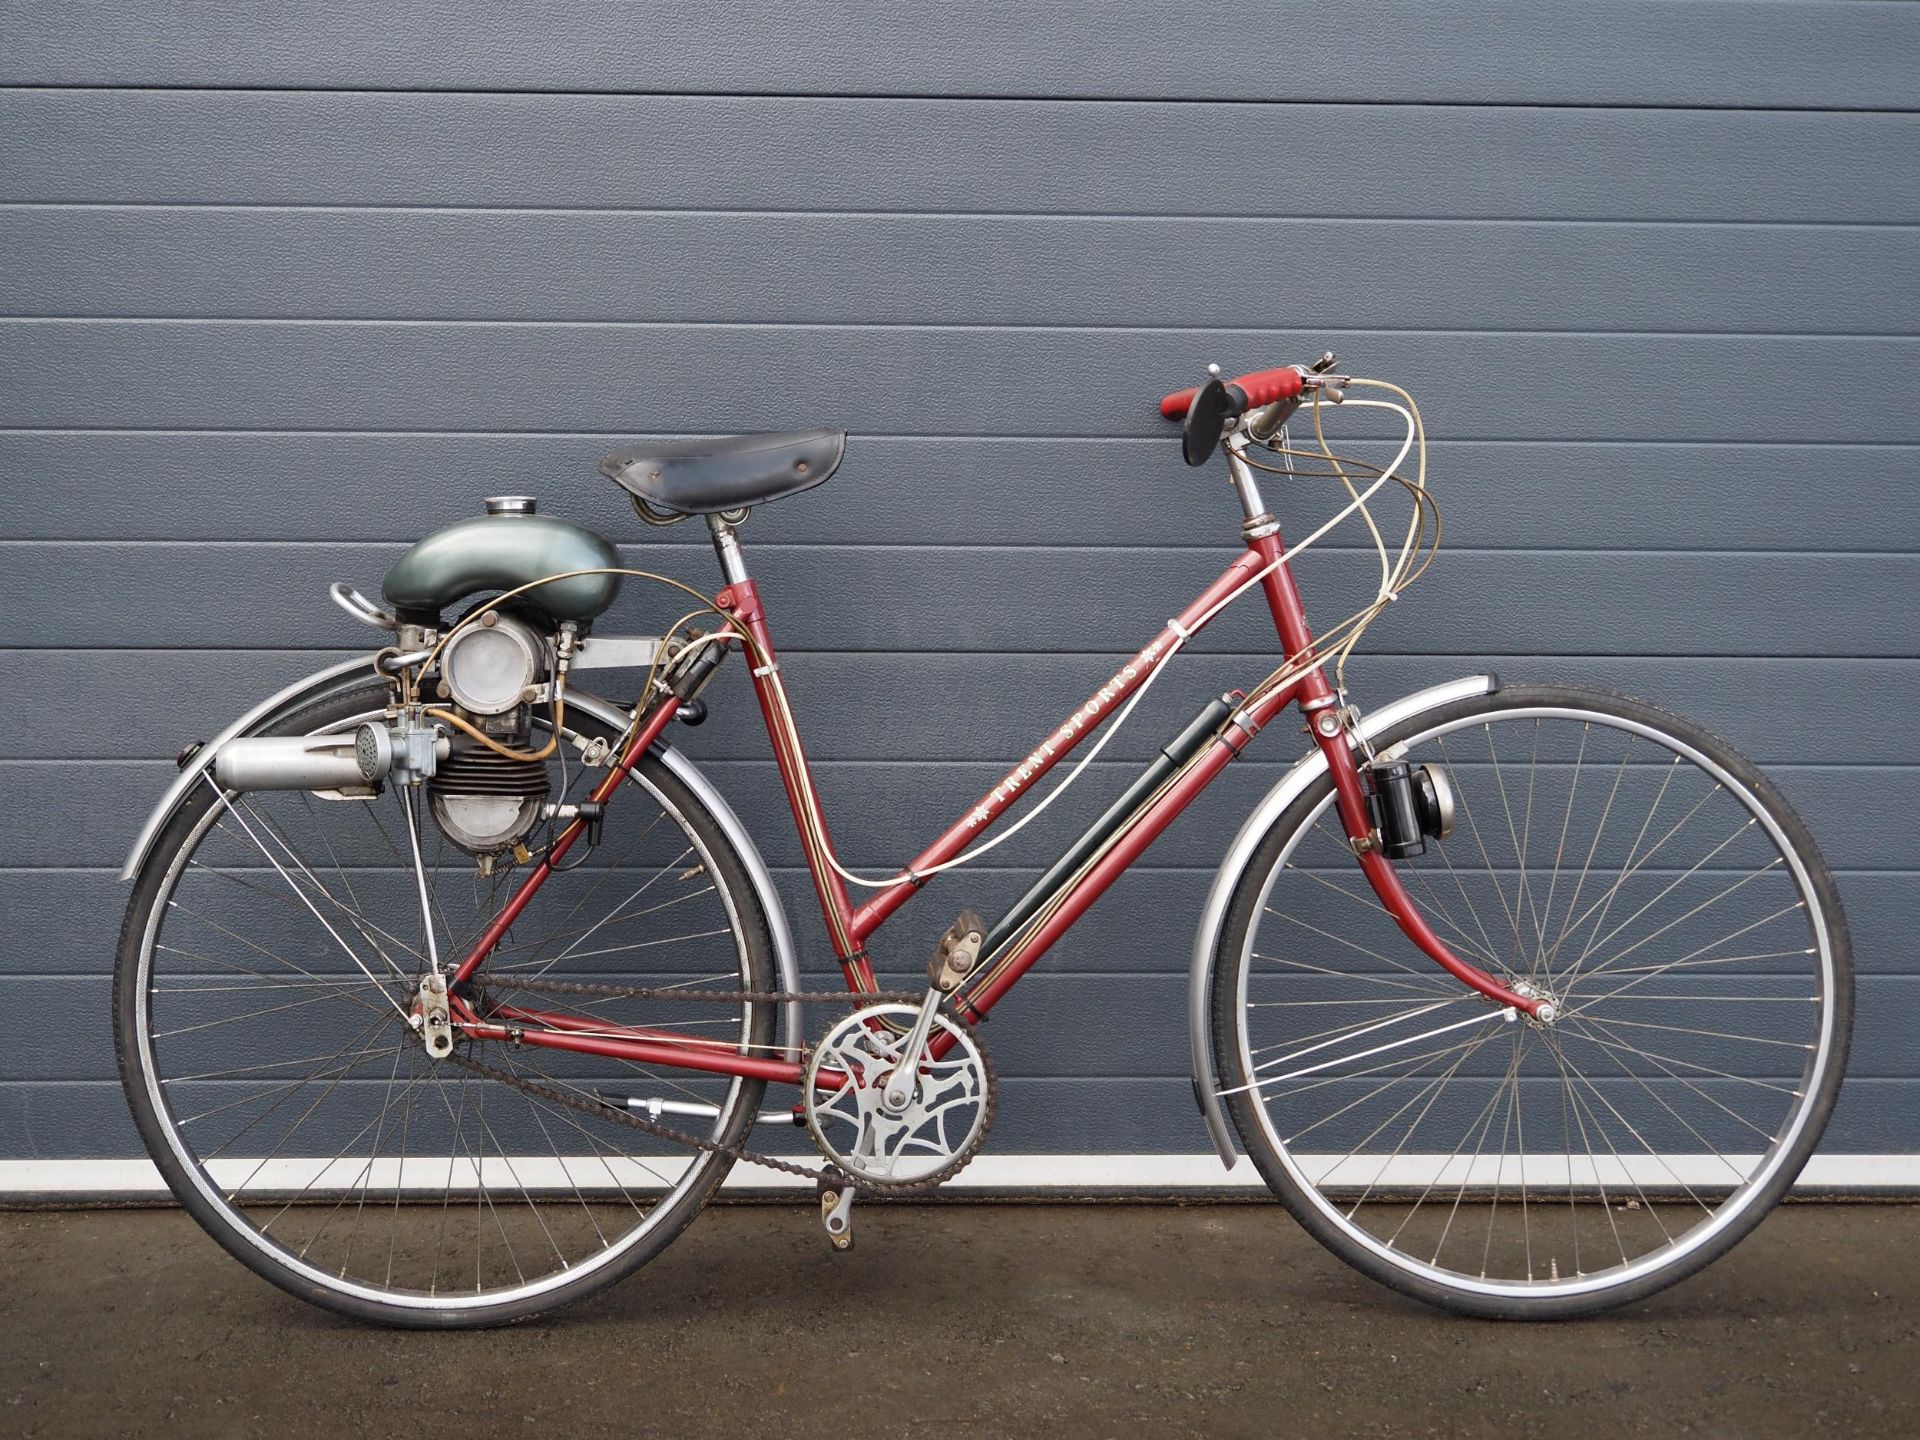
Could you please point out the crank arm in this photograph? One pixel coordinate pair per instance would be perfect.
(898, 1089)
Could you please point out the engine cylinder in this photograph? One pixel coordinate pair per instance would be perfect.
(484, 802)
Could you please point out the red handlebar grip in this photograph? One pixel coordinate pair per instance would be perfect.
(1263, 387)
(1174, 407)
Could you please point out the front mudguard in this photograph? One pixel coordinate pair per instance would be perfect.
(1213, 915)
(350, 673)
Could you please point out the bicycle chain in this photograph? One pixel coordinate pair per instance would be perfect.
(828, 1175)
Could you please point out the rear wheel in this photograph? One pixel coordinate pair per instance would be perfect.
(1647, 880)
(274, 942)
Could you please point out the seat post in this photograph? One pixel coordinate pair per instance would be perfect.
(733, 567)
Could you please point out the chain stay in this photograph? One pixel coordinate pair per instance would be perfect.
(716, 997)
(828, 1175)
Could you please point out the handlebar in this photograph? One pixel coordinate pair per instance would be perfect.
(1257, 388)
(1260, 398)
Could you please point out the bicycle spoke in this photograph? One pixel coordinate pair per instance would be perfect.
(1522, 900)
(1682, 1080)
(1656, 1057)
(1432, 988)
(1713, 900)
(1485, 1122)
(1430, 1092)
(351, 953)
(1346, 1032)
(1706, 1146)
(1431, 905)
(364, 1181)
(1586, 1145)
(289, 904)
(1363, 1055)
(592, 891)
(319, 887)
(1350, 944)
(1599, 832)
(1604, 905)
(1466, 810)
(1566, 826)
(1634, 888)
(258, 979)
(327, 1133)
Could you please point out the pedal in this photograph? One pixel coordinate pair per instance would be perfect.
(836, 1212)
(957, 953)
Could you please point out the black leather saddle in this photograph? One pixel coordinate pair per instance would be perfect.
(700, 477)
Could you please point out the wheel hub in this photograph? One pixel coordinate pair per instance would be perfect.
(1547, 1011)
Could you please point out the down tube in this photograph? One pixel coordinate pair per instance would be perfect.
(1126, 849)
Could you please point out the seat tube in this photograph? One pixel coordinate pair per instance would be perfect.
(740, 601)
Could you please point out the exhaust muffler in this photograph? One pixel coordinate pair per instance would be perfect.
(294, 762)
(355, 761)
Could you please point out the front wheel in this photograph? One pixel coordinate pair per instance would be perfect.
(1628, 866)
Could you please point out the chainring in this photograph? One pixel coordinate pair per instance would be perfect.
(930, 1138)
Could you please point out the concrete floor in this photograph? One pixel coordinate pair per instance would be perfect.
(1055, 1320)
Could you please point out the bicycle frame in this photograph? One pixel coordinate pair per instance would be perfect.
(849, 927)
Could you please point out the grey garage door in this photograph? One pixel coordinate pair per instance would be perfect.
(285, 286)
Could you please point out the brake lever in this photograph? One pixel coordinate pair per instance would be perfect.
(1317, 376)
(1334, 387)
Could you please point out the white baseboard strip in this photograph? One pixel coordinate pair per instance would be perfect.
(1043, 1176)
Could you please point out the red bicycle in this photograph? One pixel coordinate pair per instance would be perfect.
(449, 991)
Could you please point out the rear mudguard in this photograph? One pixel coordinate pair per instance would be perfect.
(350, 673)
(1213, 915)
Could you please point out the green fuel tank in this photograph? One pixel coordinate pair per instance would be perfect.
(507, 547)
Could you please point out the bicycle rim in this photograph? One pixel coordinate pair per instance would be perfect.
(300, 1118)
(1639, 875)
